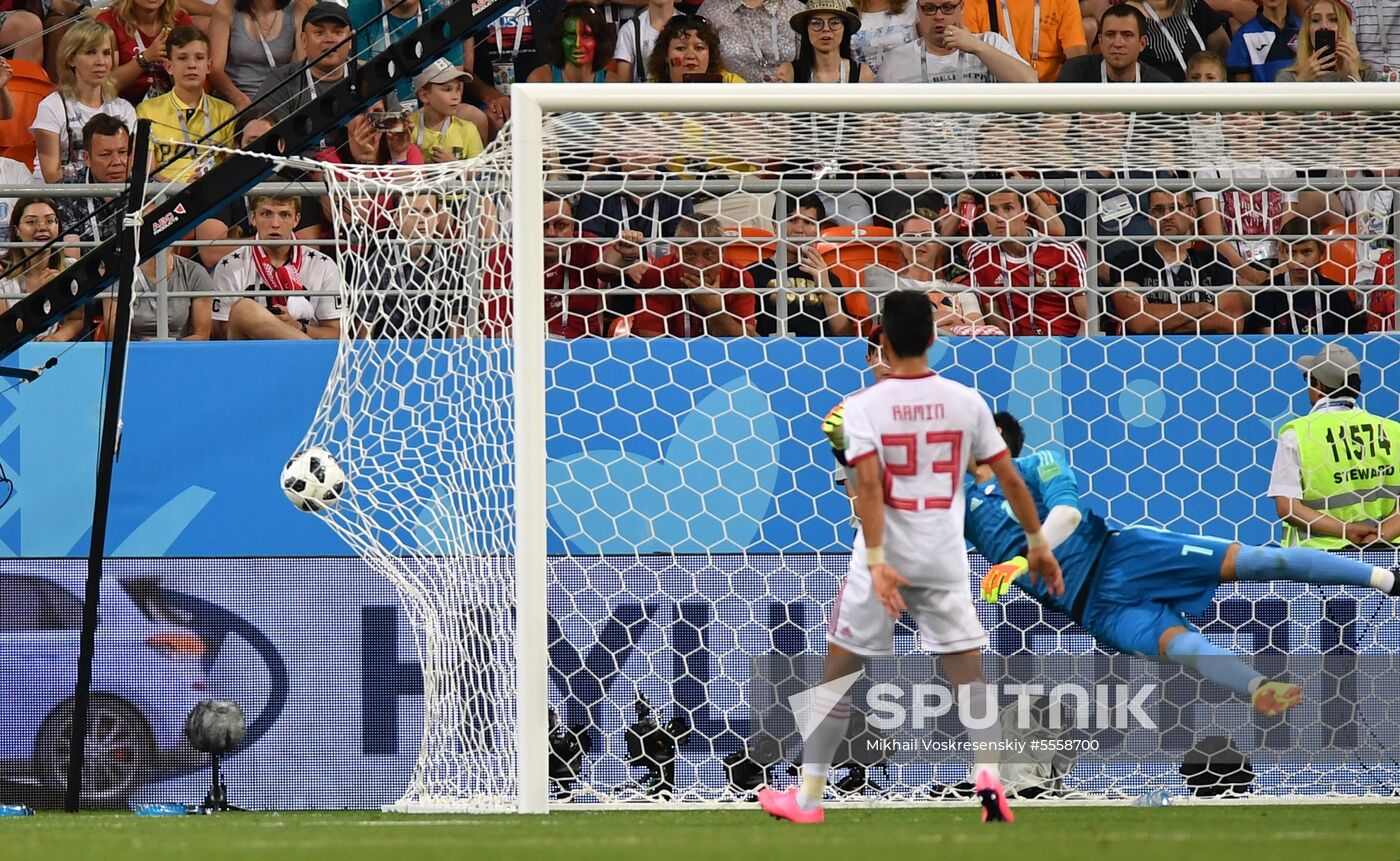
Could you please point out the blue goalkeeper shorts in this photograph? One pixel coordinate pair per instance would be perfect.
(1147, 581)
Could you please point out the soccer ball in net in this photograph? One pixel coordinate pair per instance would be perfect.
(313, 480)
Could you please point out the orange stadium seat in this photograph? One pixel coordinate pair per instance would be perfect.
(847, 259)
(1339, 255)
(27, 89)
(742, 255)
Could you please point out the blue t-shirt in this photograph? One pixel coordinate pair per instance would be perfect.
(993, 531)
(1262, 50)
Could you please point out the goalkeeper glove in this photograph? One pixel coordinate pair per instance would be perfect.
(999, 579)
(835, 428)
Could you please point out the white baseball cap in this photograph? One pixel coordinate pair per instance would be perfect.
(440, 72)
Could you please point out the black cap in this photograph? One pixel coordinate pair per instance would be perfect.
(327, 11)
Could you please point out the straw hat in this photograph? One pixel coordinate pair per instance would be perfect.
(834, 7)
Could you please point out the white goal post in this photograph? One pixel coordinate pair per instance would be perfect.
(600, 525)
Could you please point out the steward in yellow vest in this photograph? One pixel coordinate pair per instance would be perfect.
(1336, 473)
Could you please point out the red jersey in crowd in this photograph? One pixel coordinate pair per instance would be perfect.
(566, 316)
(672, 314)
(1048, 264)
(129, 44)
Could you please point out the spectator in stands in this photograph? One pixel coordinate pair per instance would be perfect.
(688, 49)
(1178, 29)
(1010, 270)
(754, 33)
(654, 215)
(1162, 282)
(85, 89)
(186, 114)
(814, 295)
(1255, 214)
(21, 32)
(311, 210)
(187, 318)
(1264, 46)
(377, 136)
(884, 25)
(824, 31)
(1310, 304)
(1377, 23)
(141, 28)
(1206, 67)
(568, 266)
(1341, 63)
(249, 41)
(947, 53)
(380, 23)
(580, 41)
(35, 219)
(1045, 33)
(12, 172)
(440, 134)
(1122, 39)
(636, 37)
(411, 291)
(698, 266)
(326, 41)
(956, 311)
(106, 157)
(289, 272)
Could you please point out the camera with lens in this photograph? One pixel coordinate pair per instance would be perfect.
(652, 745)
(389, 121)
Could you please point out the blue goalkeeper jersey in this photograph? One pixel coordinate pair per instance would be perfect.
(993, 531)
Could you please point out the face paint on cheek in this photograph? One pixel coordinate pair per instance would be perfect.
(587, 45)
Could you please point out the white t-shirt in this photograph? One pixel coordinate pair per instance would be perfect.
(12, 173)
(912, 63)
(626, 50)
(924, 430)
(1251, 213)
(881, 31)
(51, 117)
(236, 275)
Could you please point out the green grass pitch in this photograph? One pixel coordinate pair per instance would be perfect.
(1301, 833)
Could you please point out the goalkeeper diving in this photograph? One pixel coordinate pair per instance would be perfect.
(1133, 588)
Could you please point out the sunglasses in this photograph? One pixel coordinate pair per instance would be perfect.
(684, 20)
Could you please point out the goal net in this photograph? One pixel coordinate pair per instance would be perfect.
(618, 553)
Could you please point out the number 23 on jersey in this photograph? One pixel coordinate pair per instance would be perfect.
(922, 474)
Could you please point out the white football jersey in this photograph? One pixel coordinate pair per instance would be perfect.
(236, 274)
(925, 431)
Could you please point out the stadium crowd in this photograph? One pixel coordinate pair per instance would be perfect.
(1002, 263)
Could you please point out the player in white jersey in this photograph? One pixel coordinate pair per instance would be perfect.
(910, 438)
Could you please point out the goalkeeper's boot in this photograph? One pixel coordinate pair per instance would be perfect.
(783, 805)
(1274, 698)
(993, 798)
(1395, 581)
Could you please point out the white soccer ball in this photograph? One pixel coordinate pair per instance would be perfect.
(313, 480)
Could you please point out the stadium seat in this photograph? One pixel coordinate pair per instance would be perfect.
(1339, 255)
(742, 255)
(848, 259)
(27, 89)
